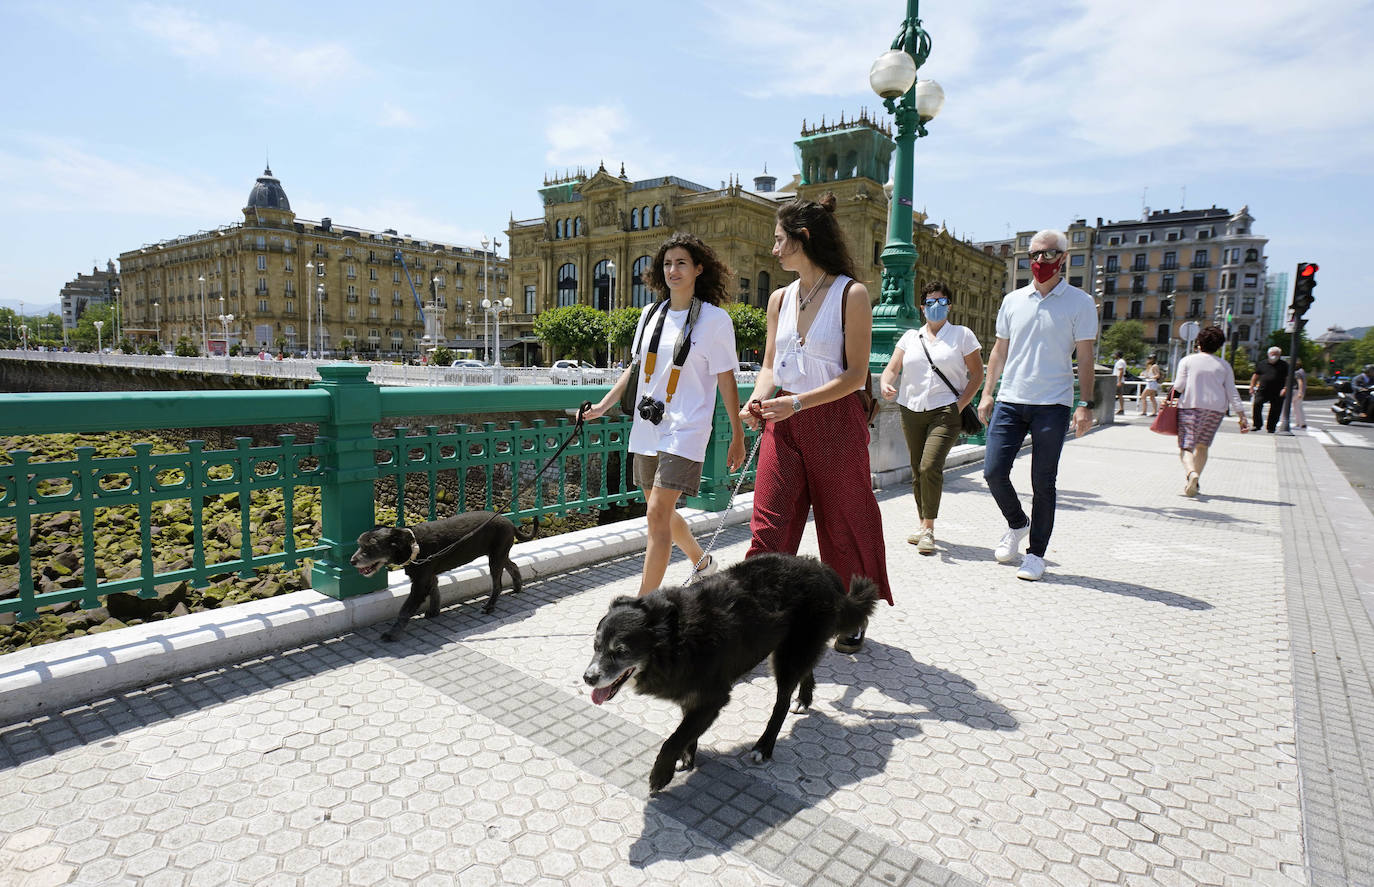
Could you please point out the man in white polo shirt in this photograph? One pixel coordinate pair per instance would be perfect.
(1039, 330)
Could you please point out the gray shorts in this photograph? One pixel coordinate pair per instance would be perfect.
(669, 472)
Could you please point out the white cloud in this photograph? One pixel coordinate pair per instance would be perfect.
(585, 136)
(397, 117)
(403, 215)
(235, 49)
(42, 174)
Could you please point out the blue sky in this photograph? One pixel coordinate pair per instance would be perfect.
(129, 123)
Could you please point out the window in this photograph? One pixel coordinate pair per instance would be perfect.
(744, 290)
(1139, 264)
(262, 263)
(1080, 236)
(601, 286)
(567, 285)
(348, 252)
(262, 242)
(1204, 233)
(1113, 264)
(1142, 238)
(1109, 286)
(641, 295)
(765, 288)
(290, 307)
(1108, 310)
(1247, 305)
(1138, 283)
(634, 219)
(1251, 255)
(1022, 264)
(1200, 258)
(262, 306)
(1022, 282)
(1194, 307)
(1115, 241)
(530, 299)
(558, 230)
(658, 215)
(1251, 280)
(1076, 260)
(577, 231)
(1076, 281)
(1137, 308)
(1244, 332)
(395, 277)
(1199, 283)
(371, 273)
(352, 313)
(1162, 334)
(1023, 241)
(1166, 283)
(1173, 235)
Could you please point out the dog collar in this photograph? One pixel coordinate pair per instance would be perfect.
(414, 546)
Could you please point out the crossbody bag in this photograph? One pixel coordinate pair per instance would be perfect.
(968, 416)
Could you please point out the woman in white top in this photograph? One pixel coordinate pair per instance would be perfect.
(931, 404)
(814, 453)
(1205, 386)
(686, 352)
(1149, 398)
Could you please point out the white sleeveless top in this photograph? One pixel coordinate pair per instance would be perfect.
(799, 369)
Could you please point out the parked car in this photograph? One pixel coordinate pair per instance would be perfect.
(750, 366)
(469, 363)
(573, 372)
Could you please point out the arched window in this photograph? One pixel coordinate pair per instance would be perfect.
(765, 288)
(567, 285)
(640, 294)
(644, 214)
(658, 215)
(577, 230)
(601, 286)
(634, 219)
(558, 230)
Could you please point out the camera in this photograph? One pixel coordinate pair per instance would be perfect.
(650, 409)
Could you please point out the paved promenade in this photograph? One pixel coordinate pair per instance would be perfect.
(1184, 700)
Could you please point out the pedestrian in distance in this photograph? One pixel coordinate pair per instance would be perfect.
(686, 353)
(1299, 418)
(1269, 385)
(1119, 373)
(814, 455)
(1205, 386)
(1040, 329)
(939, 368)
(1149, 397)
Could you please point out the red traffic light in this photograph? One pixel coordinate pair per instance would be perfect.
(1308, 269)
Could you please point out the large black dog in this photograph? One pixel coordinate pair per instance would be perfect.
(428, 549)
(691, 644)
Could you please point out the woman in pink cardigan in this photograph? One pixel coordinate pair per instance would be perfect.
(1205, 386)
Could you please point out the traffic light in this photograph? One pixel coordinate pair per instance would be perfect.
(1302, 288)
(1166, 306)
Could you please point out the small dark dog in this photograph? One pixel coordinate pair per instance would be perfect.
(428, 549)
(691, 644)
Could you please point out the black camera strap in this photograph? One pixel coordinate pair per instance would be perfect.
(681, 348)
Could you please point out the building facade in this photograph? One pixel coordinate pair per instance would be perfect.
(97, 288)
(280, 283)
(1203, 265)
(599, 232)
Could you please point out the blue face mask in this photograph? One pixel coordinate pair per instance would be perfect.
(936, 312)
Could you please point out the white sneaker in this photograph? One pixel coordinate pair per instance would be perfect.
(1010, 545)
(1032, 568)
(707, 569)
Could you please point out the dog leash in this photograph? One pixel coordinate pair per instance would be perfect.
(725, 513)
(577, 430)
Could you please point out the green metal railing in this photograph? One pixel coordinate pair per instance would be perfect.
(123, 495)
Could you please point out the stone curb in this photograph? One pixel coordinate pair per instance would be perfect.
(56, 676)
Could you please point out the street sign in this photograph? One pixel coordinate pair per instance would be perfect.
(1188, 330)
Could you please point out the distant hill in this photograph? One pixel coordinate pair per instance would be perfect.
(1358, 332)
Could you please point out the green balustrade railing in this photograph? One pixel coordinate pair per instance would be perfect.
(123, 495)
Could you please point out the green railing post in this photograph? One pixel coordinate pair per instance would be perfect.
(346, 494)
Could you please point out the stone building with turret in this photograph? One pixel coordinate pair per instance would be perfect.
(599, 231)
(299, 286)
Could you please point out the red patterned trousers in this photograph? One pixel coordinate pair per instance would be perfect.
(818, 460)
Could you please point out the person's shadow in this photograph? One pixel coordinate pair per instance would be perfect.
(735, 803)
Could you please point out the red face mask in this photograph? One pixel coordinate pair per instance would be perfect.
(1043, 271)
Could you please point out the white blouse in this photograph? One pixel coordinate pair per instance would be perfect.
(799, 368)
(920, 388)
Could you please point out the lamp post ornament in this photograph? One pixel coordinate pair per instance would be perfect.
(912, 103)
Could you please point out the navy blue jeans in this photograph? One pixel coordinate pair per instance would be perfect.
(1047, 424)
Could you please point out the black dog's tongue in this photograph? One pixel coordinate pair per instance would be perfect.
(601, 694)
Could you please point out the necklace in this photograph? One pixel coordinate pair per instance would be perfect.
(801, 306)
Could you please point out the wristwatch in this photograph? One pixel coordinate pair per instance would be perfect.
(1090, 404)
(796, 404)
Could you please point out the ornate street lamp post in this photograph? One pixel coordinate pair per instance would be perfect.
(495, 307)
(610, 306)
(204, 336)
(99, 342)
(912, 103)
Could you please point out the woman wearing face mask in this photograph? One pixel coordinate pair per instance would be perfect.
(814, 453)
(941, 367)
(686, 345)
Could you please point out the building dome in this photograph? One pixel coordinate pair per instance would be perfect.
(268, 193)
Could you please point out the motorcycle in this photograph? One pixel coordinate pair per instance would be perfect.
(1347, 406)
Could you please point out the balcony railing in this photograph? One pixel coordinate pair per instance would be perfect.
(1200, 264)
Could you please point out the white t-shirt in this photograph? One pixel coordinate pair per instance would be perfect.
(1119, 369)
(1041, 333)
(923, 390)
(686, 426)
(797, 367)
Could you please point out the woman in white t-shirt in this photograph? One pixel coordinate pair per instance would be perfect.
(686, 351)
(930, 404)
